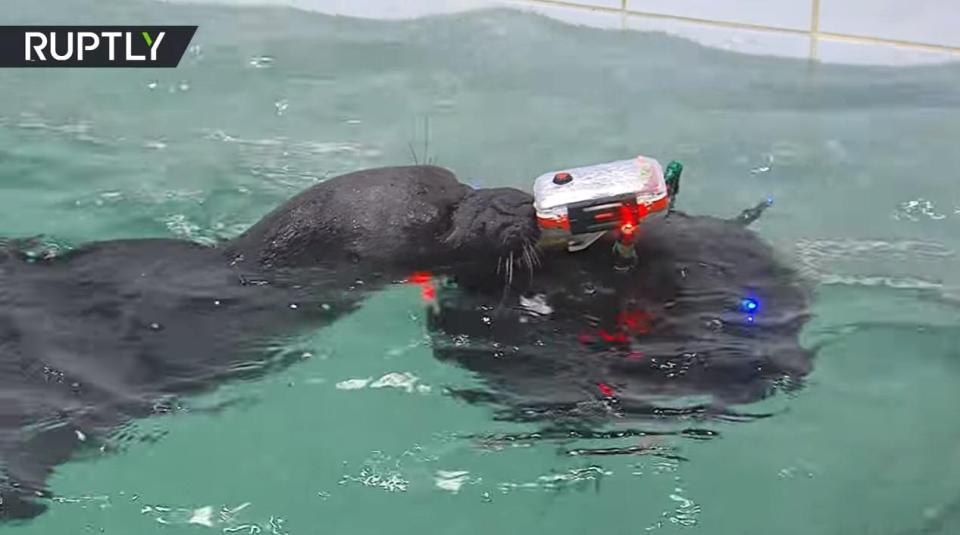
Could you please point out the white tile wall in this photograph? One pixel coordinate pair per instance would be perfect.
(893, 32)
(735, 39)
(596, 18)
(794, 14)
(921, 21)
(853, 53)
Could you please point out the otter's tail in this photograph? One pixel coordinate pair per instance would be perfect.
(752, 214)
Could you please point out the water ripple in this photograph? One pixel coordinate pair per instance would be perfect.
(226, 519)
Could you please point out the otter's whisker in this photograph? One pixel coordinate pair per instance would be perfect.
(510, 270)
(534, 253)
(528, 260)
(413, 153)
(534, 257)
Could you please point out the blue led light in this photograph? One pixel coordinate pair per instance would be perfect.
(749, 319)
(748, 304)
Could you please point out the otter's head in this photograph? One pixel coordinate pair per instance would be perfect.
(495, 228)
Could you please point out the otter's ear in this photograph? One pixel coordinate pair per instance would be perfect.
(466, 221)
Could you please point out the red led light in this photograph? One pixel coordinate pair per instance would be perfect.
(634, 321)
(628, 219)
(606, 390)
(617, 337)
(420, 277)
(427, 290)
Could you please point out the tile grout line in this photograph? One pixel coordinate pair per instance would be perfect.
(820, 35)
(868, 40)
(815, 30)
(652, 15)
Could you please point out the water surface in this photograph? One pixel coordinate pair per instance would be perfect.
(861, 162)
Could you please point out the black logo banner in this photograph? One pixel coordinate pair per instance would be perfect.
(94, 46)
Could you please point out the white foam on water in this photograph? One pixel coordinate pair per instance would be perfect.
(202, 517)
(451, 481)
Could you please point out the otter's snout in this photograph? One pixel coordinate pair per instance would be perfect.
(494, 221)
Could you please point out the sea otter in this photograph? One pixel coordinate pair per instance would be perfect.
(706, 320)
(96, 336)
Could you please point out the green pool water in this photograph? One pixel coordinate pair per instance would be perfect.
(360, 438)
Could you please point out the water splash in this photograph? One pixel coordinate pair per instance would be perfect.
(400, 380)
(917, 209)
(453, 481)
(228, 519)
(763, 168)
(589, 477)
(686, 512)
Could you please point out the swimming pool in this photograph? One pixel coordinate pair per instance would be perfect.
(359, 437)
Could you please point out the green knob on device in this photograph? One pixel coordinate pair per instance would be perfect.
(671, 176)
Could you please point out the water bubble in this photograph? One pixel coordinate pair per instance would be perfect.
(293, 306)
(152, 85)
(183, 86)
(281, 106)
(763, 168)
(155, 327)
(260, 62)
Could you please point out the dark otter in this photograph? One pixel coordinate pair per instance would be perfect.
(99, 335)
(706, 320)
(397, 218)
